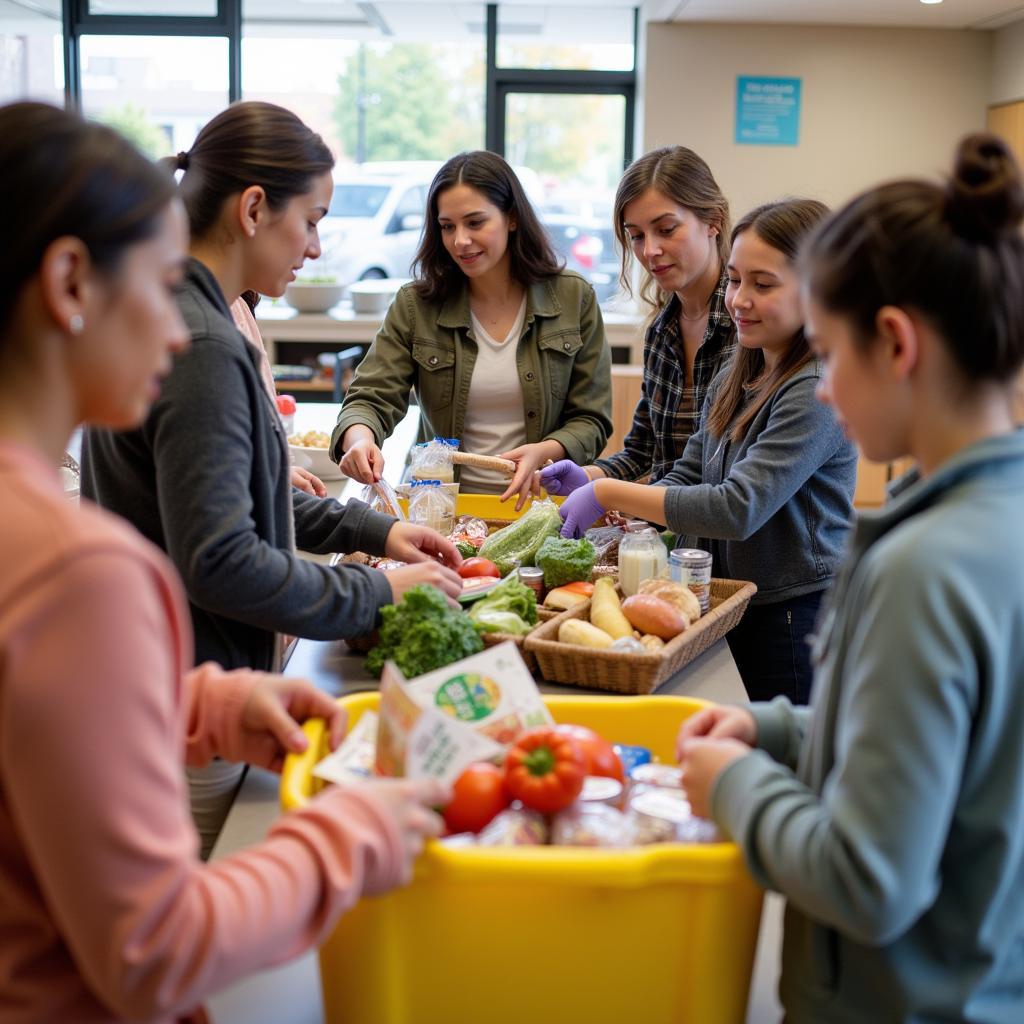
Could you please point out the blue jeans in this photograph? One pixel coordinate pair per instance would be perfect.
(771, 650)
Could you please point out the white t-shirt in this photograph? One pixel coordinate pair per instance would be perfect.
(494, 412)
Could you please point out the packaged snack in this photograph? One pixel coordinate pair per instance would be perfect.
(592, 824)
(432, 460)
(631, 756)
(430, 505)
(381, 497)
(353, 761)
(515, 827)
(606, 541)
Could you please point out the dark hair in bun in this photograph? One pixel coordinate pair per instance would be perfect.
(953, 254)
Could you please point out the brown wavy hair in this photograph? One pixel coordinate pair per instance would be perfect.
(682, 176)
(783, 225)
(952, 252)
(532, 257)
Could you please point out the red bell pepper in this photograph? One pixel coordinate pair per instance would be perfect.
(545, 769)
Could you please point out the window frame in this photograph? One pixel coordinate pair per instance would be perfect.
(227, 23)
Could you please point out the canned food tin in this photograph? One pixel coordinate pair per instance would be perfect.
(533, 577)
(600, 790)
(665, 776)
(692, 567)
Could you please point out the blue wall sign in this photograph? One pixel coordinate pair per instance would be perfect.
(767, 111)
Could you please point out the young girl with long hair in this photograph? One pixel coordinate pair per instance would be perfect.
(891, 813)
(673, 220)
(505, 350)
(107, 912)
(766, 484)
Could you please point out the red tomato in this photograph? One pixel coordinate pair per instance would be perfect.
(477, 796)
(597, 751)
(545, 770)
(478, 567)
(285, 405)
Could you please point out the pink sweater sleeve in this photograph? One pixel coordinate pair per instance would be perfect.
(91, 738)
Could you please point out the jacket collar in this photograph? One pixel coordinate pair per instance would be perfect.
(541, 300)
(982, 461)
(199, 276)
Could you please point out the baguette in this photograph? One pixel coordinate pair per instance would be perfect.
(506, 466)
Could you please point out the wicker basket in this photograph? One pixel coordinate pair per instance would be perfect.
(622, 672)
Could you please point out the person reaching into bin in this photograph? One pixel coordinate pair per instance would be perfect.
(766, 483)
(505, 350)
(108, 914)
(207, 476)
(891, 813)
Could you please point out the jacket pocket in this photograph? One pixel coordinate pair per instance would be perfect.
(558, 356)
(435, 374)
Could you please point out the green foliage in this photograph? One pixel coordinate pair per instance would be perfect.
(511, 607)
(565, 561)
(422, 633)
(134, 124)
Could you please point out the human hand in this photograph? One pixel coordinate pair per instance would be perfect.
(363, 461)
(409, 804)
(702, 761)
(434, 573)
(563, 477)
(272, 715)
(528, 458)
(721, 722)
(580, 511)
(407, 542)
(308, 482)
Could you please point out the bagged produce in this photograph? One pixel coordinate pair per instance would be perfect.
(519, 542)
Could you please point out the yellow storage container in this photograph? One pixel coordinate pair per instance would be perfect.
(548, 935)
(486, 506)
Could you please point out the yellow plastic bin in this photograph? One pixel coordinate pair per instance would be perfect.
(656, 934)
(487, 506)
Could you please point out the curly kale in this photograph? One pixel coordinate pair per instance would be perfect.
(565, 561)
(422, 633)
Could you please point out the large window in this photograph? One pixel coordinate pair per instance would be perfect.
(394, 89)
(31, 51)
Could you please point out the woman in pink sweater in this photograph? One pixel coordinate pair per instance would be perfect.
(107, 913)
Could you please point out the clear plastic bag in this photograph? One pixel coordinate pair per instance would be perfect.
(381, 497)
(431, 505)
(432, 460)
(592, 824)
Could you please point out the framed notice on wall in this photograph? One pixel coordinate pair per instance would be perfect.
(767, 111)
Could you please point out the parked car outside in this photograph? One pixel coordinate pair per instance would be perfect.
(373, 226)
(588, 246)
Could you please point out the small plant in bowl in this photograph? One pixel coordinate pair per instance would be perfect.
(314, 294)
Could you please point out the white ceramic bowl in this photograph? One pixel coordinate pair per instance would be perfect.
(373, 297)
(317, 461)
(309, 297)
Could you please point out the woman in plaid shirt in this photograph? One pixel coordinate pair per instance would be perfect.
(671, 215)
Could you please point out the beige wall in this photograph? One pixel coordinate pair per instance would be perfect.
(876, 103)
(1007, 82)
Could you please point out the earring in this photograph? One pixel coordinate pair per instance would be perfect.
(76, 324)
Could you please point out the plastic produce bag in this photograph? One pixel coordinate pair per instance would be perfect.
(431, 505)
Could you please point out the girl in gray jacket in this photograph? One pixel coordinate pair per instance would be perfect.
(766, 483)
(891, 813)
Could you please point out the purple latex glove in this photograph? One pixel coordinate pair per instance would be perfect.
(563, 477)
(580, 511)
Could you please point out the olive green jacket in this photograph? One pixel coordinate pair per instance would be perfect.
(563, 361)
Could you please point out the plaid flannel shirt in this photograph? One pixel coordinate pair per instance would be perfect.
(663, 420)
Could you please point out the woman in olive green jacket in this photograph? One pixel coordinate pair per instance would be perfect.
(506, 351)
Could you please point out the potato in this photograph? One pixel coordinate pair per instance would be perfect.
(654, 615)
(576, 631)
(680, 596)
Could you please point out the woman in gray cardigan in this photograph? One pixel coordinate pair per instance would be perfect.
(766, 483)
(207, 476)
